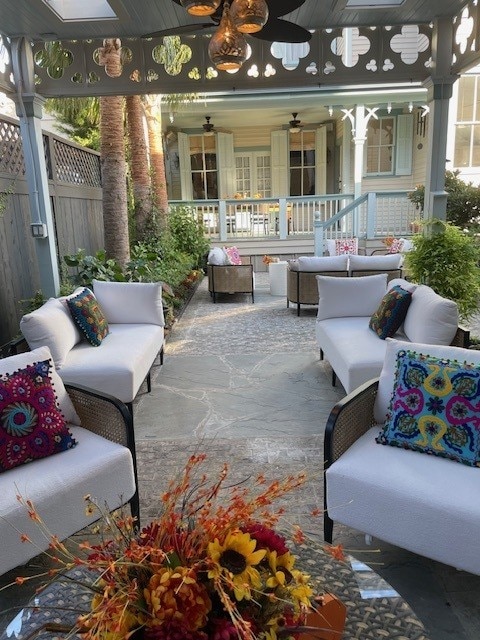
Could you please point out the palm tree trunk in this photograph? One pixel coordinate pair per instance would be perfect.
(139, 168)
(157, 160)
(112, 159)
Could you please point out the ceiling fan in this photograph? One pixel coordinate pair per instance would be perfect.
(295, 125)
(208, 127)
(275, 29)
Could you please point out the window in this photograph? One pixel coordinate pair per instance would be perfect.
(467, 129)
(380, 146)
(203, 159)
(253, 175)
(302, 163)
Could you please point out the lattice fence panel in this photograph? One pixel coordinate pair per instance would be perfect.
(11, 150)
(76, 166)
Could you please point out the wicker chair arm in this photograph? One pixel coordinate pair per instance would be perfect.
(461, 338)
(108, 417)
(349, 419)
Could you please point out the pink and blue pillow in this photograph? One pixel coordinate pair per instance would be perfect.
(435, 408)
(31, 424)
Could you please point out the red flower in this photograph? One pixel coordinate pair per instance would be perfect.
(266, 538)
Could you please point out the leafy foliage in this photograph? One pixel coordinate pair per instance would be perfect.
(463, 202)
(446, 258)
(186, 233)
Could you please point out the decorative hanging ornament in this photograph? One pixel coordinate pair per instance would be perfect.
(249, 16)
(228, 47)
(200, 7)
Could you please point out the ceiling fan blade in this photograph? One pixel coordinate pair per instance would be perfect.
(277, 8)
(277, 30)
(178, 31)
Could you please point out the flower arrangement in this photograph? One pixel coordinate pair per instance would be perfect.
(269, 259)
(210, 567)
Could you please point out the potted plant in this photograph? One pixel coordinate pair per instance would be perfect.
(446, 258)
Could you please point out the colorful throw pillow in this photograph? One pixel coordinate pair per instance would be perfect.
(346, 246)
(395, 246)
(89, 316)
(391, 312)
(233, 256)
(434, 408)
(31, 424)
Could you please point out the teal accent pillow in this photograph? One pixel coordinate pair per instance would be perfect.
(31, 424)
(89, 317)
(391, 312)
(435, 408)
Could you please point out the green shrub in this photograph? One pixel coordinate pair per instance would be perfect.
(463, 200)
(97, 267)
(186, 232)
(446, 258)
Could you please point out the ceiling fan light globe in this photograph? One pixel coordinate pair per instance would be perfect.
(249, 16)
(200, 7)
(228, 47)
(295, 129)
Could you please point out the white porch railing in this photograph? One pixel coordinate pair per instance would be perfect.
(331, 216)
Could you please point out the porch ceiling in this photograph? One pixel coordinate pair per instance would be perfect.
(34, 19)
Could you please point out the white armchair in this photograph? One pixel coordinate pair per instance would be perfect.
(424, 503)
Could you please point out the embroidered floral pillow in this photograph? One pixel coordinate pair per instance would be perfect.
(391, 312)
(346, 246)
(233, 256)
(435, 408)
(31, 424)
(395, 246)
(88, 316)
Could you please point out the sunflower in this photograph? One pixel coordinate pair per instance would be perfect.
(236, 557)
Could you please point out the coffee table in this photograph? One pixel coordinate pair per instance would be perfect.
(375, 611)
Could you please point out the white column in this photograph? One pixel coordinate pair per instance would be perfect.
(439, 87)
(359, 138)
(29, 111)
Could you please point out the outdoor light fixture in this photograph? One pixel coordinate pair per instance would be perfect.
(249, 16)
(228, 47)
(200, 7)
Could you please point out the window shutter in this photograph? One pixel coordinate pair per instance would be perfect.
(404, 147)
(225, 165)
(185, 166)
(321, 160)
(279, 159)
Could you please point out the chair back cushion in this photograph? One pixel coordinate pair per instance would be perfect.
(131, 302)
(349, 297)
(322, 263)
(375, 263)
(53, 326)
(387, 375)
(431, 319)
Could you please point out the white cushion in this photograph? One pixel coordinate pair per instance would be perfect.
(22, 360)
(51, 325)
(293, 265)
(387, 375)
(120, 364)
(401, 282)
(340, 297)
(375, 263)
(130, 302)
(430, 318)
(217, 256)
(422, 503)
(355, 353)
(57, 486)
(323, 263)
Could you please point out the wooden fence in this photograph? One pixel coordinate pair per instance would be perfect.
(76, 197)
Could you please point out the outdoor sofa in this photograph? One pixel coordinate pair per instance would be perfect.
(302, 285)
(415, 491)
(122, 361)
(346, 306)
(102, 463)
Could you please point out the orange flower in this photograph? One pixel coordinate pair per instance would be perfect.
(336, 551)
(176, 594)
